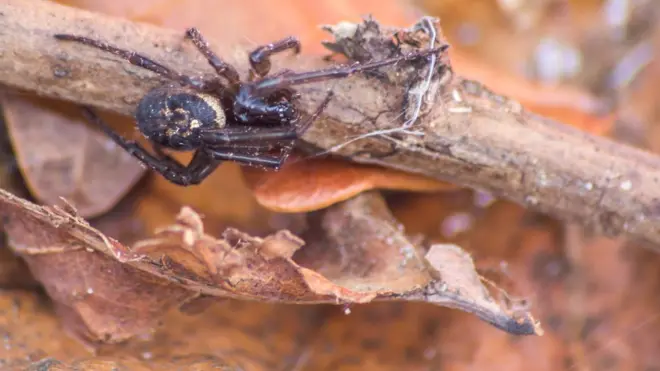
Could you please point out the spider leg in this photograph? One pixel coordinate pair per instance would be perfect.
(286, 150)
(221, 67)
(227, 136)
(221, 137)
(310, 120)
(267, 85)
(227, 154)
(197, 170)
(221, 148)
(283, 72)
(262, 147)
(163, 156)
(253, 75)
(287, 93)
(142, 61)
(260, 57)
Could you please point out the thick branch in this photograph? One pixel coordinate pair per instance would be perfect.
(472, 137)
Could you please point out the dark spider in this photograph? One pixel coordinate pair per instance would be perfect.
(235, 120)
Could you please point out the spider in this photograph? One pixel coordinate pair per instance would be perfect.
(223, 118)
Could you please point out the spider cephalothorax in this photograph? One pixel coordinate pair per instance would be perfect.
(224, 118)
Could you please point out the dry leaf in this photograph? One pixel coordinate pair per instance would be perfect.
(229, 336)
(13, 271)
(107, 292)
(59, 156)
(584, 316)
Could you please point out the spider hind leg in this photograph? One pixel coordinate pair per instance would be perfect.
(195, 172)
(142, 61)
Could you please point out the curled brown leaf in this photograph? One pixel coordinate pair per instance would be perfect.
(60, 156)
(107, 292)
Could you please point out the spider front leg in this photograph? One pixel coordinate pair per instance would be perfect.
(219, 142)
(287, 93)
(221, 67)
(267, 85)
(195, 172)
(260, 57)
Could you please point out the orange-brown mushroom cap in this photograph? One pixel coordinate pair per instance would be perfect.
(313, 184)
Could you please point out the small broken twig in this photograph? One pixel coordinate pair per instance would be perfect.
(472, 137)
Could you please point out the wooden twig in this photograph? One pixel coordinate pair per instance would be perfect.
(471, 137)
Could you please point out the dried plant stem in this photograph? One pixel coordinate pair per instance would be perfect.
(472, 137)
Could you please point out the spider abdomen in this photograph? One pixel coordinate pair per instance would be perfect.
(175, 117)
